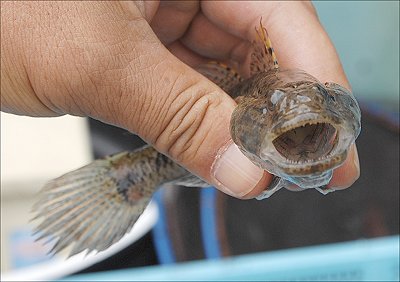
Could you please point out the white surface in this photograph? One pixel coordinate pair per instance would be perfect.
(41, 148)
(59, 268)
(34, 151)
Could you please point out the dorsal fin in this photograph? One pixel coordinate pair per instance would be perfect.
(263, 57)
(221, 74)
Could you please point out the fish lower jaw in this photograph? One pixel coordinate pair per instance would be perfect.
(312, 162)
(302, 170)
(275, 163)
(311, 181)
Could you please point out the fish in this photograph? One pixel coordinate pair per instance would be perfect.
(286, 122)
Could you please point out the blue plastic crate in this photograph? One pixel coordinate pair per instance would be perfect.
(361, 260)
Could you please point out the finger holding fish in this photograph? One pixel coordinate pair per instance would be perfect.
(345, 175)
(298, 37)
(282, 122)
(299, 41)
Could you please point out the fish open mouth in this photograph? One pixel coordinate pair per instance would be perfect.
(307, 143)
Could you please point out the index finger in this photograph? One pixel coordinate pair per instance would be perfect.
(298, 37)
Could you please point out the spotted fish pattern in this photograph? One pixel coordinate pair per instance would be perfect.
(286, 122)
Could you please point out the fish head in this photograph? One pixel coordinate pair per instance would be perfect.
(297, 127)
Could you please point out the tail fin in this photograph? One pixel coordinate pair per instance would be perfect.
(94, 206)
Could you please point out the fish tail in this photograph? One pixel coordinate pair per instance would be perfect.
(93, 207)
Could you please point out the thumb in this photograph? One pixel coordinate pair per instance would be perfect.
(185, 116)
(105, 62)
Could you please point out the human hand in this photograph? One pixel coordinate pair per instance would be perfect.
(105, 60)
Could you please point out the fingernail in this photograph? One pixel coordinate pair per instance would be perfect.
(234, 173)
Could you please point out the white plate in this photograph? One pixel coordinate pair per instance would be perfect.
(61, 267)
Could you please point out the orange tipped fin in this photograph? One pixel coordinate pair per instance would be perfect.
(263, 57)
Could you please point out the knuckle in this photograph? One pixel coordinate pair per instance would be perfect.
(187, 123)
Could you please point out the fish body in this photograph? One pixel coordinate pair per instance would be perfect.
(286, 122)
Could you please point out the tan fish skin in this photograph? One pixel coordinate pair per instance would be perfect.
(96, 205)
(286, 122)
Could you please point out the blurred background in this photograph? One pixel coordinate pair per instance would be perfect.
(206, 223)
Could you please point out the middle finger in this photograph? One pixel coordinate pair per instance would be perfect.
(206, 39)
